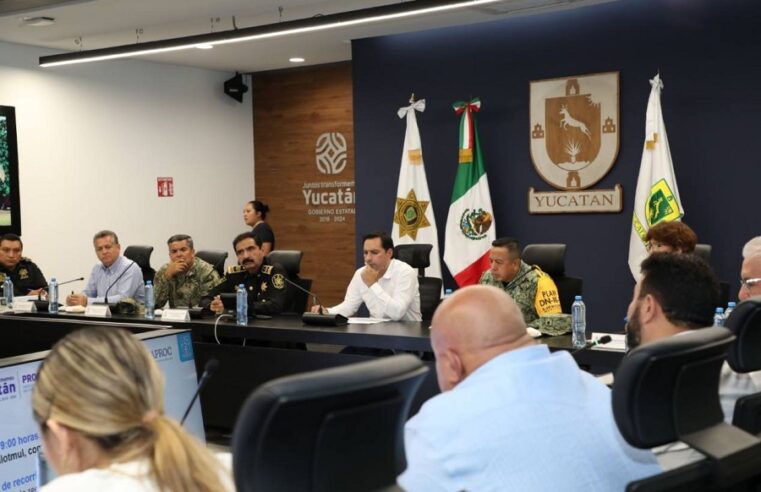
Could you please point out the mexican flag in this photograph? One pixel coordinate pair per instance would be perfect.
(413, 215)
(657, 198)
(470, 223)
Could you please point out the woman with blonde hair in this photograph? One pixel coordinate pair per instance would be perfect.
(99, 402)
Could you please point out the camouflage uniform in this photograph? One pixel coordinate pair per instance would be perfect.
(185, 289)
(267, 289)
(26, 276)
(523, 291)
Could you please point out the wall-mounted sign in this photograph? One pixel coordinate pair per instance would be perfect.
(330, 200)
(165, 187)
(574, 136)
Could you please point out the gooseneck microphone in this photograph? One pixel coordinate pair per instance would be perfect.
(593, 343)
(323, 318)
(105, 296)
(208, 371)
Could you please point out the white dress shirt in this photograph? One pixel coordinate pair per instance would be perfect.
(394, 296)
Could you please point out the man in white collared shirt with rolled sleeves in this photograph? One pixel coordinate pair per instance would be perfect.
(388, 287)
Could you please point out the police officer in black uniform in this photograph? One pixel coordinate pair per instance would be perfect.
(265, 282)
(26, 276)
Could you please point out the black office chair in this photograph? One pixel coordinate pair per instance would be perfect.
(214, 258)
(333, 429)
(704, 252)
(744, 356)
(551, 259)
(668, 390)
(291, 261)
(142, 256)
(419, 256)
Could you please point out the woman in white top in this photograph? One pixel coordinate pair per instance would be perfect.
(99, 403)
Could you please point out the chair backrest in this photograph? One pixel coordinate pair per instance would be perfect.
(430, 296)
(703, 251)
(669, 388)
(215, 258)
(333, 429)
(142, 256)
(551, 259)
(415, 255)
(745, 356)
(299, 299)
(290, 259)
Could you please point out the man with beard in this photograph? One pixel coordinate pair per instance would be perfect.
(676, 293)
(264, 281)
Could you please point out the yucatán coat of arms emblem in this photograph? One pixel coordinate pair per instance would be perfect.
(574, 136)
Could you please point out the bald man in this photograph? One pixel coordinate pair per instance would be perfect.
(512, 416)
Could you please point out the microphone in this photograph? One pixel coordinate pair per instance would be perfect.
(208, 371)
(105, 296)
(593, 343)
(323, 318)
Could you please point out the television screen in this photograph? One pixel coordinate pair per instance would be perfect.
(19, 438)
(10, 216)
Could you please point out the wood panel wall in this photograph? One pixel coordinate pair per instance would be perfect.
(292, 109)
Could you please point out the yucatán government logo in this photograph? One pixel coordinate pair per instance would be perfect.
(330, 153)
(574, 137)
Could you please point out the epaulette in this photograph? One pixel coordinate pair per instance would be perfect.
(267, 269)
(233, 269)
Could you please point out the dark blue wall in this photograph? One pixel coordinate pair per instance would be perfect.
(708, 56)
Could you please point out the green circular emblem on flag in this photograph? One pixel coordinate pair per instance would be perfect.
(475, 223)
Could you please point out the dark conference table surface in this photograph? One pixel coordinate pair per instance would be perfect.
(254, 354)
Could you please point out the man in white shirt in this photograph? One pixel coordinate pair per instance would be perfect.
(388, 287)
(512, 415)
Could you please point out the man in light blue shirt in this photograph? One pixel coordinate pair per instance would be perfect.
(512, 416)
(113, 278)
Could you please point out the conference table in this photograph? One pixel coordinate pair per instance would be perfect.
(268, 348)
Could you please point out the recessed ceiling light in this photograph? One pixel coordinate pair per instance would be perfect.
(38, 21)
(296, 59)
(204, 46)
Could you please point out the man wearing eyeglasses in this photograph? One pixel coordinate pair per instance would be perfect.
(733, 385)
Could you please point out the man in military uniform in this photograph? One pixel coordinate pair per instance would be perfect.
(185, 279)
(27, 278)
(531, 288)
(265, 282)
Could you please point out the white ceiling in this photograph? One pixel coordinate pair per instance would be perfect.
(92, 24)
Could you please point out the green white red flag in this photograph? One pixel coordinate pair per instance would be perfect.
(470, 223)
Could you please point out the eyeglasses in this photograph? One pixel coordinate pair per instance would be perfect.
(652, 245)
(749, 283)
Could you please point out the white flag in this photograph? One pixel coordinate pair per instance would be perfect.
(657, 198)
(413, 216)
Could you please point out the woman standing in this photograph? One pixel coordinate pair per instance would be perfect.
(99, 402)
(255, 215)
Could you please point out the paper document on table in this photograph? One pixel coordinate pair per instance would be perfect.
(366, 321)
(617, 342)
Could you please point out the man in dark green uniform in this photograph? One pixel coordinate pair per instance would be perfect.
(265, 282)
(27, 278)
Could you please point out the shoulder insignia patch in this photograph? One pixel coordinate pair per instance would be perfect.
(23, 274)
(278, 280)
(267, 269)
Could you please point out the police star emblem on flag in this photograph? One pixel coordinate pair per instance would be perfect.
(410, 215)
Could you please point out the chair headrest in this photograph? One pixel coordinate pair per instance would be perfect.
(704, 252)
(745, 322)
(670, 387)
(549, 257)
(140, 255)
(415, 255)
(290, 259)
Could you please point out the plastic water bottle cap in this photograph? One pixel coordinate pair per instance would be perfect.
(719, 310)
(447, 291)
(731, 304)
(148, 283)
(577, 298)
(52, 279)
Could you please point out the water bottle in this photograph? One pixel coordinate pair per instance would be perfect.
(718, 318)
(53, 296)
(150, 302)
(447, 293)
(8, 291)
(241, 305)
(731, 305)
(579, 323)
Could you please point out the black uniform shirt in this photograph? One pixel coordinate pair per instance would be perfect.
(267, 289)
(26, 277)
